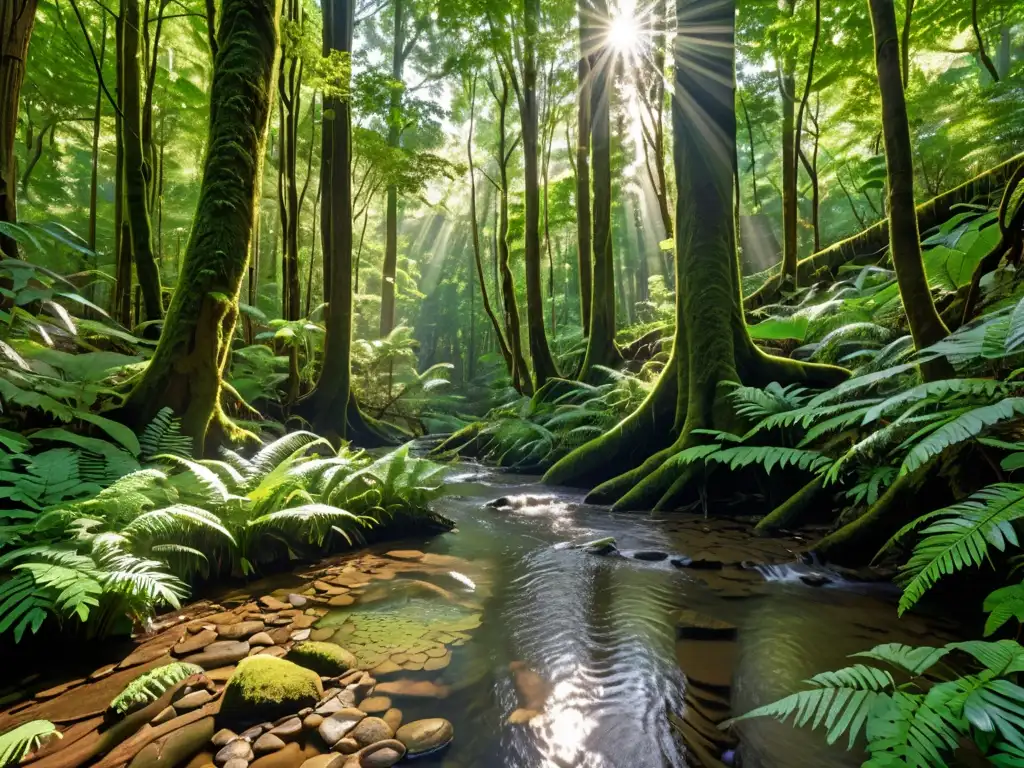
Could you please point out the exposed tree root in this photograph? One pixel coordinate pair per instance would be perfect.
(791, 512)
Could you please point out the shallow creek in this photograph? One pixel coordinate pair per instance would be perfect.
(542, 654)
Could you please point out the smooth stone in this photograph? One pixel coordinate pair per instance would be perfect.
(312, 721)
(240, 631)
(375, 705)
(175, 748)
(300, 635)
(371, 730)
(271, 603)
(220, 654)
(273, 650)
(238, 749)
(338, 725)
(393, 717)
(237, 763)
(289, 757)
(289, 729)
(320, 635)
(405, 554)
(691, 625)
(341, 601)
(432, 665)
(223, 737)
(220, 674)
(331, 760)
(815, 580)
(250, 734)
(387, 667)
(193, 700)
(299, 601)
(330, 707)
(195, 643)
(261, 639)
(383, 754)
(425, 735)
(418, 688)
(304, 621)
(650, 556)
(266, 744)
(166, 715)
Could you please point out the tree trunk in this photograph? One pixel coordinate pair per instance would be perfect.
(137, 172)
(17, 18)
(121, 305)
(390, 268)
(787, 84)
(711, 346)
(908, 18)
(97, 123)
(601, 342)
(187, 366)
(543, 363)
(583, 231)
(502, 346)
(905, 243)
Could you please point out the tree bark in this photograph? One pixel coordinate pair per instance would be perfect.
(95, 163)
(137, 172)
(17, 19)
(601, 349)
(908, 18)
(583, 230)
(187, 366)
(905, 243)
(787, 84)
(986, 60)
(390, 268)
(543, 363)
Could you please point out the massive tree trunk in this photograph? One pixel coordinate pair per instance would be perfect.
(711, 346)
(905, 242)
(543, 363)
(583, 231)
(17, 18)
(137, 172)
(601, 341)
(387, 284)
(186, 369)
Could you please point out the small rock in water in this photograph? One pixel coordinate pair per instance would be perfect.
(604, 547)
(423, 736)
(650, 555)
(682, 561)
(371, 730)
(815, 579)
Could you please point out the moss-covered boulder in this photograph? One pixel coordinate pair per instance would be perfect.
(266, 688)
(327, 659)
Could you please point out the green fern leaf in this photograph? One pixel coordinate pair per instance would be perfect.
(915, 660)
(17, 743)
(1002, 605)
(960, 429)
(150, 686)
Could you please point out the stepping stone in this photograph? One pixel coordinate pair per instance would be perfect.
(289, 729)
(266, 744)
(370, 730)
(240, 631)
(220, 654)
(238, 749)
(261, 639)
(338, 725)
(193, 700)
(271, 603)
(375, 705)
(650, 556)
(223, 737)
(341, 601)
(166, 715)
(692, 625)
(393, 717)
(195, 643)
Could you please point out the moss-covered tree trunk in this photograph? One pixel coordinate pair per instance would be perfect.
(543, 363)
(186, 369)
(905, 242)
(601, 341)
(17, 18)
(137, 171)
(711, 346)
(583, 231)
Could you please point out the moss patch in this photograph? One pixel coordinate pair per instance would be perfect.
(327, 659)
(266, 688)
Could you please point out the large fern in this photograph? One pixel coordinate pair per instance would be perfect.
(27, 737)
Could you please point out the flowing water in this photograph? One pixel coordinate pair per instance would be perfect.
(616, 662)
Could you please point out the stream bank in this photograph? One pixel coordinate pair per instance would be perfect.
(539, 654)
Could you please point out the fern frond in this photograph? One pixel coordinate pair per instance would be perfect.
(26, 738)
(964, 426)
(150, 686)
(163, 436)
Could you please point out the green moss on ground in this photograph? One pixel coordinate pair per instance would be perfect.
(266, 688)
(327, 659)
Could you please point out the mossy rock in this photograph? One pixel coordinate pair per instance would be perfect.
(327, 659)
(265, 688)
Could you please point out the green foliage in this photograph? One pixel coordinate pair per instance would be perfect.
(150, 686)
(27, 737)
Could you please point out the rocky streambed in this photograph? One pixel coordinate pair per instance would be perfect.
(261, 684)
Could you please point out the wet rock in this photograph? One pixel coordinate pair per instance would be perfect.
(691, 625)
(332, 760)
(265, 688)
(251, 734)
(289, 729)
(417, 688)
(194, 643)
(650, 555)
(405, 554)
(299, 601)
(371, 730)
(271, 603)
(280, 635)
(604, 547)
(697, 564)
(175, 748)
(166, 715)
(393, 717)
(383, 754)
(815, 579)
(300, 635)
(304, 621)
(386, 668)
(223, 737)
(375, 705)
(322, 635)
(341, 601)
(290, 756)
(432, 665)
(323, 658)
(238, 749)
(261, 639)
(423, 736)
(312, 721)
(347, 746)
(330, 707)
(220, 654)
(338, 725)
(521, 716)
(266, 744)
(193, 700)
